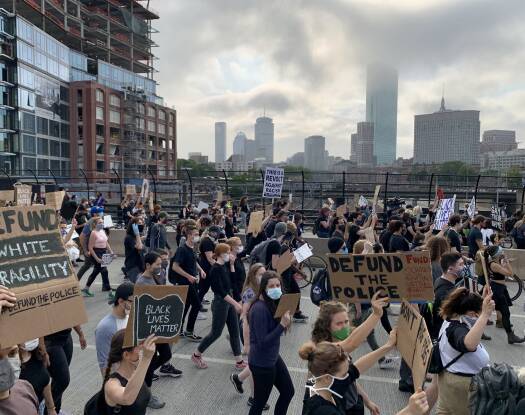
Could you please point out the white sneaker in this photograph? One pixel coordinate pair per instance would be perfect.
(388, 362)
(201, 316)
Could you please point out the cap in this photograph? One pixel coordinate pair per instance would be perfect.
(280, 229)
(7, 375)
(95, 210)
(124, 291)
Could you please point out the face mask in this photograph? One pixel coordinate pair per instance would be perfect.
(342, 333)
(225, 257)
(196, 239)
(344, 250)
(240, 249)
(31, 345)
(141, 228)
(157, 271)
(337, 387)
(100, 226)
(468, 320)
(274, 293)
(165, 264)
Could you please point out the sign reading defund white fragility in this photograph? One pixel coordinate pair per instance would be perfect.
(36, 267)
(445, 210)
(273, 182)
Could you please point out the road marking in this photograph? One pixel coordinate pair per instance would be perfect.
(231, 363)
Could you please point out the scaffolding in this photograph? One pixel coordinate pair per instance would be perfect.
(134, 138)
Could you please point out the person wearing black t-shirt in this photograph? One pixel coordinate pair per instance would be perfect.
(133, 250)
(455, 226)
(206, 260)
(475, 237)
(238, 275)
(398, 242)
(185, 270)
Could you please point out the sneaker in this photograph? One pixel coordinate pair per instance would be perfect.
(237, 383)
(192, 337)
(111, 296)
(405, 387)
(201, 316)
(485, 337)
(155, 403)
(106, 289)
(155, 377)
(199, 361)
(513, 339)
(299, 317)
(387, 363)
(251, 401)
(203, 310)
(86, 293)
(205, 302)
(499, 324)
(240, 365)
(169, 370)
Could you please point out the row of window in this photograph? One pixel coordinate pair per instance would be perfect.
(113, 98)
(31, 124)
(42, 164)
(41, 40)
(46, 63)
(44, 147)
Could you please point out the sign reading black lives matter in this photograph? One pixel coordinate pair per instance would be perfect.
(273, 182)
(356, 278)
(36, 267)
(158, 310)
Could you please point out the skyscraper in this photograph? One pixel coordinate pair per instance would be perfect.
(381, 109)
(446, 135)
(264, 137)
(314, 153)
(363, 145)
(239, 144)
(498, 140)
(220, 142)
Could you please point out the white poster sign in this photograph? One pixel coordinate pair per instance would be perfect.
(273, 182)
(363, 202)
(445, 210)
(471, 208)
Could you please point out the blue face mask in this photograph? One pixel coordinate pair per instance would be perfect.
(344, 250)
(274, 293)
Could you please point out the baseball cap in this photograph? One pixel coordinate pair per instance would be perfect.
(124, 291)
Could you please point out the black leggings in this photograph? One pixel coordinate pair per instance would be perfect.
(503, 302)
(204, 287)
(192, 299)
(291, 286)
(99, 269)
(60, 355)
(264, 379)
(161, 357)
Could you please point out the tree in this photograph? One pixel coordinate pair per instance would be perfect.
(513, 177)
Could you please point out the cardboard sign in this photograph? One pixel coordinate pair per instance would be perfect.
(356, 278)
(36, 267)
(471, 208)
(151, 201)
(156, 309)
(302, 253)
(445, 210)
(256, 220)
(268, 210)
(363, 203)
(341, 210)
(108, 222)
(144, 191)
(23, 194)
(376, 194)
(287, 302)
(131, 190)
(7, 196)
(55, 199)
(219, 196)
(356, 201)
(414, 342)
(498, 217)
(273, 182)
(284, 262)
(370, 235)
(202, 206)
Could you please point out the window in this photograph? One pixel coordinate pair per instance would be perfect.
(140, 123)
(64, 149)
(24, 52)
(28, 122)
(141, 109)
(29, 163)
(52, 67)
(26, 99)
(54, 148)
(24, 30)
(172, 117)
(63, 111)
(151, 126)
(29, 144)
(80, 151)
(162, 115)
(43, 147)
(170, 144)
(42, 126)
(151, 112)
(54, 129)
(100, 113)
(99, 94)
(162, 129)
(64, 131)
(100, 148)
(100, 166)
(52, 46)
(114, 100)
(26, 77)
(43, 164)
(79, 95)
(41, 61)
(170, 131)
(80, 132)
(114, 116)
(99, 130)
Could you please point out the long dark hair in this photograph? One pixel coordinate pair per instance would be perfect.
(116, 351)
(132, 221)
(262, 296)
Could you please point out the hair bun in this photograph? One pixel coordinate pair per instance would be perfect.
(307, 351)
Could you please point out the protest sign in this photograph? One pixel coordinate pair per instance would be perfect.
(107, 259)
(108, 222)
(36, 267)
(445, 210)
(284, 262)
(131, 190)
(54, 199)
(414, 342)
(376, 194)
(287, 302)
(144, 191)
(156, 309)
(302, 253)
(151, 201)
(255, 224)
(498, 217)
(341, 210)
(273, 182)
(471, 208)
(356, 201)
(370, 235)
(23, 194)
(363, 203)
(202, 205)
(6, 196)
(355, 278)
(219, 196)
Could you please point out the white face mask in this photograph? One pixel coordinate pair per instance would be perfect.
(327, 388)
(225, 257)
(240, 249)
(196, 239)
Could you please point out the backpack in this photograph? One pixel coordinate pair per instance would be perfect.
(321, 289)
(436, 364)
(258, 253)
(494, 390)
(97, 405)
(316, 226)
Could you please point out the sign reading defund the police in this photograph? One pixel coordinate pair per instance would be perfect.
(273, 182)
(35, 266)
(356, 278)
(158, 310)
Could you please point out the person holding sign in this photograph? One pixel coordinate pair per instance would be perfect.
(126, 388)
(224, 308)
(466, 315)
(267, 367)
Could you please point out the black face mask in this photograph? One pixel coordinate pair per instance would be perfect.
(141, 228)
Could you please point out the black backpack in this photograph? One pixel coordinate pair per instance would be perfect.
(321, 289)
(494, 391)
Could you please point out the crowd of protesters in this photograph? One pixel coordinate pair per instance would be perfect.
(208, 256)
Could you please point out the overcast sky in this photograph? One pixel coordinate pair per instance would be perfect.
(304, 61)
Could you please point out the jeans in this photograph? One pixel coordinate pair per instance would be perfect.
(162, 356)
(192, 299)
(88, 263)
(99, 269)
(264, 378)
(60, 355)
(223, 315)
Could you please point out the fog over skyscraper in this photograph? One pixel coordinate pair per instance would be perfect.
(220, 142)
(239, 144)
(264, 137)
(381, 109)
(314, 153)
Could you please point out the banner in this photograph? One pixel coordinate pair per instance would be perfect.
(498, 216)
(6, 196)
(273, 182)
(414, 342)
(156, 309)
(36, 267)
(471, 208)
(356, 278)
(445, 210)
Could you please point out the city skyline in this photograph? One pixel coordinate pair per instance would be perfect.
(314, 82)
